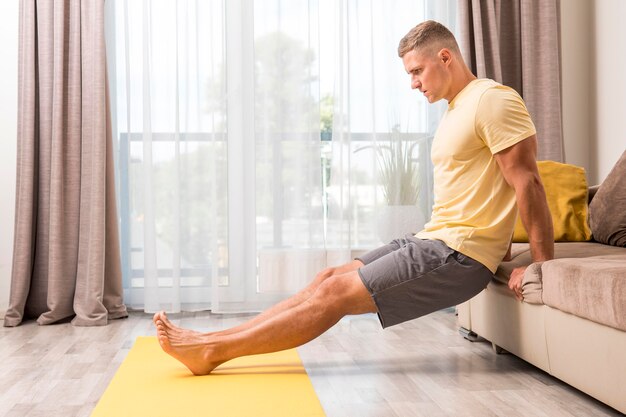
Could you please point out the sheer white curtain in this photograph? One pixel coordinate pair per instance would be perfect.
(239, 129)
(377, 116)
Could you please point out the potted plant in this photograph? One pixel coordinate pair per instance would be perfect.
(401, 184)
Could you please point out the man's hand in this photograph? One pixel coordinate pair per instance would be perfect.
(515, 281)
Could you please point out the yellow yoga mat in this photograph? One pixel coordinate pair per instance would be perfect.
(150, 383)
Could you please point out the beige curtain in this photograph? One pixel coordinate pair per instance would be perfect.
(517, 43)
(66, 252)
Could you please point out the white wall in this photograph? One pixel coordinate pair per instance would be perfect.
(576, 81)
(609, 84)
(9, 11)
(593, 41)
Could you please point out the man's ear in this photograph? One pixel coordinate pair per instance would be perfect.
(445, 56)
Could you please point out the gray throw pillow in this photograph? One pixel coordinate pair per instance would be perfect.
(607, 211)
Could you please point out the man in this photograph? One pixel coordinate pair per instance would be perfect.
(484, 155)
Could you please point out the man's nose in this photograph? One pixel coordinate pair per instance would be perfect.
(415, 83)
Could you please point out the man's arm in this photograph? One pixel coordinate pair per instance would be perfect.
(519, 167)
(508, 256)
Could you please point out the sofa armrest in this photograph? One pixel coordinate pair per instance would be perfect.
(532, 284)
(592, 192)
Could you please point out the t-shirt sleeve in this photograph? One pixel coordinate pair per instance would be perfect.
(502, 119)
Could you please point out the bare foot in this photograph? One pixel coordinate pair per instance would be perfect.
(194, 349)
(172, 330)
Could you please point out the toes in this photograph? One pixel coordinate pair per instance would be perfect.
(162, 335)
(166, 321)
(159, 316)
(161, 329)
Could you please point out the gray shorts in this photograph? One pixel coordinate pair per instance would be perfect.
(412, 277)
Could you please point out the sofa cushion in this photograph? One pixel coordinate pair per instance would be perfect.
(521, 255)
(532, 285)
(593, 288)
(607, 211)
(566, 192)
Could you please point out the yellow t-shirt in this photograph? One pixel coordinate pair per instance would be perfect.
(474, 209)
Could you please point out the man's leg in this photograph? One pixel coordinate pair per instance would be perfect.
(334, 297)
(284, 305)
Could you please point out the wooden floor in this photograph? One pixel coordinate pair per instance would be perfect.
(420, 368)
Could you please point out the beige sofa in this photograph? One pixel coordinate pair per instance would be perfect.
(572, 322)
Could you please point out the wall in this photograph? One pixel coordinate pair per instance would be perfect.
(9, 11)
(593, 41)
(608, 67)
(576, 77)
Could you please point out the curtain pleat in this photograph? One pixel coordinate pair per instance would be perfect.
(517, 43)
(66, 251)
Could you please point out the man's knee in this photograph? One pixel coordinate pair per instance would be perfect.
(329, 272)
(347, 293)
(322, 276)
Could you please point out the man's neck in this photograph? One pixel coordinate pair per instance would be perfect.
(462, 81)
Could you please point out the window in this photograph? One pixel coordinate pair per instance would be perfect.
(247, 137)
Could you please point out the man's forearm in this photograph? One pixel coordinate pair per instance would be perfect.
(542, 249)
(508, 256)
(537, 221)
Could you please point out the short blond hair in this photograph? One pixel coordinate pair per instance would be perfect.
(428, 34)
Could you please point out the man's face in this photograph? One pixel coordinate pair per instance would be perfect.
(428, 73)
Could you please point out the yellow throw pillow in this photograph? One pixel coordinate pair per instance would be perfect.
(566, 190)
